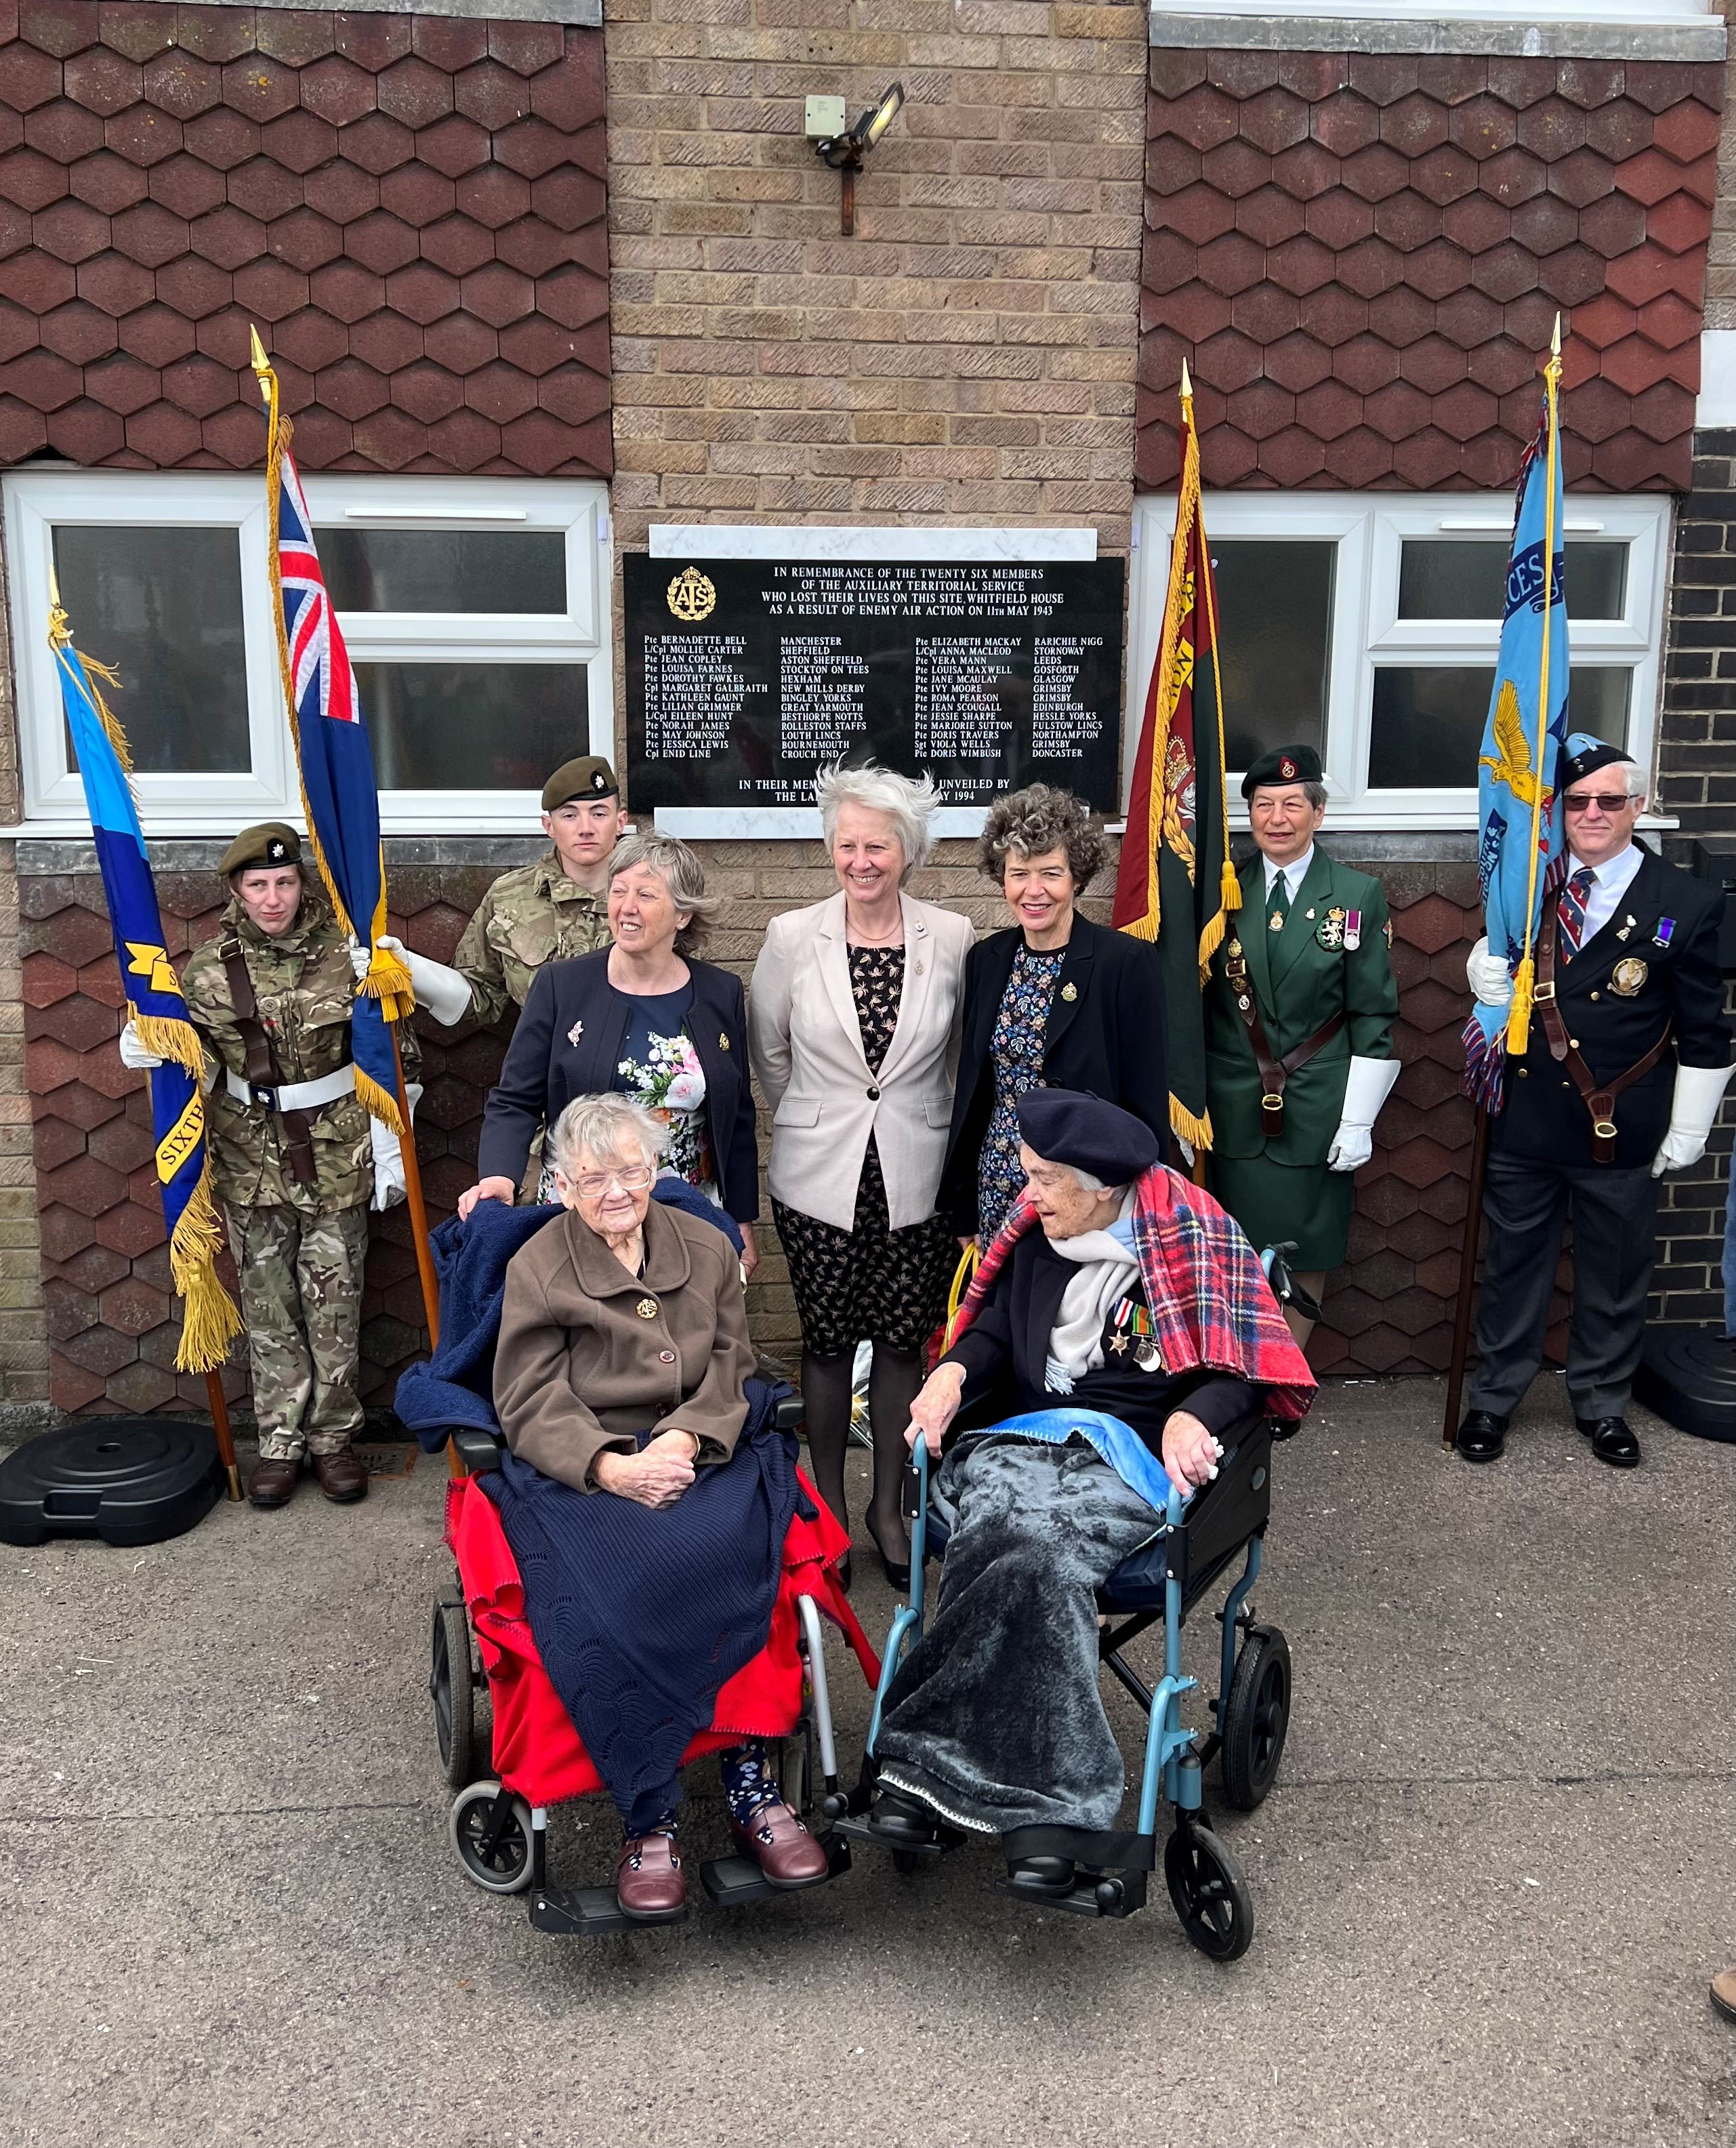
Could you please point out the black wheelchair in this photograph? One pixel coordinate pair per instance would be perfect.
(1165, 1579)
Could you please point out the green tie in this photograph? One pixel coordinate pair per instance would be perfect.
(1277, 904)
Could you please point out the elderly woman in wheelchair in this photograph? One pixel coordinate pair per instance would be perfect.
(1119, 1335)
(620, 1374)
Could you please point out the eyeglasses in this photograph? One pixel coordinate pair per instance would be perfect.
(590, 1184)
(1606, 801)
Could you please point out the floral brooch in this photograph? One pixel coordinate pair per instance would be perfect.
(575, 1032)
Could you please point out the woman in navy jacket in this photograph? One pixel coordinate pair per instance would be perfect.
(643, 1017)
(1054, 1002)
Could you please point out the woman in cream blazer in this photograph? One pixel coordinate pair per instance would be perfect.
(853, 1022)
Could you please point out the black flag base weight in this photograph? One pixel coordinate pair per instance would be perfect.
(126, 1480)
(1688, 1375)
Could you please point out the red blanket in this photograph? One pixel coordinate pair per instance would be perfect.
(1212, 1307)
(537, 1751)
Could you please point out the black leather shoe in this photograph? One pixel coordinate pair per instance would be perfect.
(1482, 1436)
(1612, 1440)
(1049, 1878)
(902, 1819)
(898, 1577)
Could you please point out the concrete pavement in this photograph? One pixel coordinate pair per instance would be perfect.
(1497, 1868)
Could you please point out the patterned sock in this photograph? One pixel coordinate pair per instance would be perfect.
(748, 1783)
(665, 1825)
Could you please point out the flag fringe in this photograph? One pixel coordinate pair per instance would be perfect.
(380, 1102)
(210, 1322)
(1485, 1075)
(387, 977)
(1194, 1128)
(169, 1038)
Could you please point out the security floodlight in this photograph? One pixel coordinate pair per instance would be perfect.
(844, 152)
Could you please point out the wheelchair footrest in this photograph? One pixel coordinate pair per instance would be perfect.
(1093, 1895)
(733, 1882)
(584, 1912)
(861, 1829)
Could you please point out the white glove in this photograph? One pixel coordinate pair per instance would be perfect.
(1489, 977)
(445, 993)
(133, 1053)
(1369, 1085)
(1699, 1092)
(1185, 1147)
(389, 1185)
(360, 960)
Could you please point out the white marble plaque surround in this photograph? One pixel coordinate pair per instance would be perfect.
(830, 541)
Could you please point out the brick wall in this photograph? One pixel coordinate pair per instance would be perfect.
(1696, 783)
(968, 355)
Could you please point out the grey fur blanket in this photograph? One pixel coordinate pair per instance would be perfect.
(994, 1718)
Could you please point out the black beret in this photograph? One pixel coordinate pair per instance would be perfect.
(1585, 755)
(1064, 1126)
(1284, 764)
(272, 843)
(588, 776)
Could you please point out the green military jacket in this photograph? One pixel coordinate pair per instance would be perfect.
(1301, 977)
(529, 917)
(304, 987)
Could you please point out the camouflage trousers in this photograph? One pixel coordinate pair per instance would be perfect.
(301, 1296)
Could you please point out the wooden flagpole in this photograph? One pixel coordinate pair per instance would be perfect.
(220, 1424)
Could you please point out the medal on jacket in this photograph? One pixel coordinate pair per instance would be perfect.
(1665, 932)
(646, 1308)
(1352, 931)
(1627, 976)
(1145, 1356)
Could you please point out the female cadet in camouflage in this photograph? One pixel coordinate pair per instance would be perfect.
(293, 1155)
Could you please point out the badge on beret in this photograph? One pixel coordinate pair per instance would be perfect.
(276, 850)
(646, 1308)
(1352, 931)
(597, 779)
(1627, 976)
(1287, 769)
(1069, 992)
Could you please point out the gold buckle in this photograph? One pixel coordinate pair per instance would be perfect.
(1604, 1129)
(1541, 992)
(1271, 1103)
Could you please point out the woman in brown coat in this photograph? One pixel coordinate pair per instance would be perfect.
(620, 1370)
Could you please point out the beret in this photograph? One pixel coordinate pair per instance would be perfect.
(270, 844)
(1585, 756)
(1284, 764)
(588, 776)
(1065, 1126)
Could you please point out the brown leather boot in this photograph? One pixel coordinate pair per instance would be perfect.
(272, 1482)
(777, 1839)
(342, 1476)
(649, 1883)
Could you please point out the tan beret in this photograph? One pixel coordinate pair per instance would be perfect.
(588, 776)
(270, 844)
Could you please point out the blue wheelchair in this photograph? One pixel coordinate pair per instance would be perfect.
(1164, 1579)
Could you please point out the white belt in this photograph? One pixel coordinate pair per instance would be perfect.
(294, 1096)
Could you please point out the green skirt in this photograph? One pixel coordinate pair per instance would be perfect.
(1273, 1202)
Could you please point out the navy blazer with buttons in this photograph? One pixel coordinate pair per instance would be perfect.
(546, 1067)
(1107, 1039)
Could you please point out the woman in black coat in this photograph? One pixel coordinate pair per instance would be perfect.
(643, 1017)
(1055, 1001)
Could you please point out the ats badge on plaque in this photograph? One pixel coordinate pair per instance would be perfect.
(1627, 976)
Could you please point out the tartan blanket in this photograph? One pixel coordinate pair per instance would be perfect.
(1210, 1306)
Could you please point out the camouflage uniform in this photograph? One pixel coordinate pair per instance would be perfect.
(299, 1248)
(529, 917)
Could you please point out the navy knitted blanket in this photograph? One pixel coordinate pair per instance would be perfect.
(641, 1614)
(456, 1385)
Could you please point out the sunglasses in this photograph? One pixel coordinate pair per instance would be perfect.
(1608, 801)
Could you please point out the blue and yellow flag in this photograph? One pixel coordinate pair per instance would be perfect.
(335, 760)
(154, 1006)
(1518, 811)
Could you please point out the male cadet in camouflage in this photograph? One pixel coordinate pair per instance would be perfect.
(557, 908)
(1299, 1016)
(293, 1155)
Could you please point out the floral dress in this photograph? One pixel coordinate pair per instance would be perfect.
(871, 1283)
(1016, 1051)
(659, 1068)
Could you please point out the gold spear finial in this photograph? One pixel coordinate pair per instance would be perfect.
(1555, 339)
(1187, 383)
(262, 364)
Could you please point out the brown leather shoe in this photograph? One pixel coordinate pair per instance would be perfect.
(648, 1880)
(779, 1840)
(342, 1476)
(1724, 1992)
(274, 1482)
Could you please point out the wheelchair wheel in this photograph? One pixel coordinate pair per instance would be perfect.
(452, 1689)
(506, 1869)
(1209, 1895)
(1256, 1717)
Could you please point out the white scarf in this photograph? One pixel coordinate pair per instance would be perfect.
(1107, 1269)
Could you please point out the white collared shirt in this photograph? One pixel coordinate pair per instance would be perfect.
(1293, 875)
(1610, 882)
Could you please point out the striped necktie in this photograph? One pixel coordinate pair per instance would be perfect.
(1575, 897)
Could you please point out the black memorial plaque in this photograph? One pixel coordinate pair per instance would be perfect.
(744, 675)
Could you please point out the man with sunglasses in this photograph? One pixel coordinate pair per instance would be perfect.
(1628, 1056)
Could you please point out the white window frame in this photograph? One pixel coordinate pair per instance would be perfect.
(38, 499)
(1369, 529)
(1642, 13)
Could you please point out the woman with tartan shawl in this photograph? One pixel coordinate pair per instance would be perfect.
(1119, 1325)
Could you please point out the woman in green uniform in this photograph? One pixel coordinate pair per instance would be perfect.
(1299, 1017)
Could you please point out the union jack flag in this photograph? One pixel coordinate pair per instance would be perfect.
(321, 682)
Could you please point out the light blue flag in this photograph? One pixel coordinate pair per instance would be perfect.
(1511, 772)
